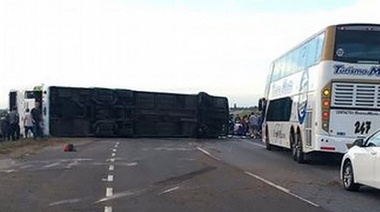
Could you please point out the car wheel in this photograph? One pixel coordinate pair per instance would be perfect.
(348, 178)
(299, 154)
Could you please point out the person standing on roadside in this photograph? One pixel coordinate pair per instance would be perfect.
(28, 123)
(4, 123)
(14, 121)
(37, 121)
(254, 124)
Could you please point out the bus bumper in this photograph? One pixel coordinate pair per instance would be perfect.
(333, 144)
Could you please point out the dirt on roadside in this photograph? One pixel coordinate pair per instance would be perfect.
(22, 147)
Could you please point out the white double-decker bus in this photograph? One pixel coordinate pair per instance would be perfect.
(325, 92)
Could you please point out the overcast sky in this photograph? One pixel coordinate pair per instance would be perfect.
(222, 47)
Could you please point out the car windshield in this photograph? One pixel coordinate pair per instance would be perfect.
(374, 140)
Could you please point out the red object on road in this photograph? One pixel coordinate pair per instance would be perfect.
(69, 148)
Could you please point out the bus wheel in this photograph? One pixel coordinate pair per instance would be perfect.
(300, 156)
(293, 146)
(268, 146)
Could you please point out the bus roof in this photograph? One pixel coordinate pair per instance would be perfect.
(323, 30)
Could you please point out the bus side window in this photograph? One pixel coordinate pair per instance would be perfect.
(280, 109)
(312, 53)
(320, 42)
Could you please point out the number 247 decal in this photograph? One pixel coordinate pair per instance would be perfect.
(362, 127)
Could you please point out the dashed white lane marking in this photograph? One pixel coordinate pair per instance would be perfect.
(170, 190)
(281, 188)
(110, 178)
(207, 153)
(109, 192)
(255, 144)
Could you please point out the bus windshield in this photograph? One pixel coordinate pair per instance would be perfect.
(357, 46)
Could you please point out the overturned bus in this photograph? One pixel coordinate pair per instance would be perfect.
(104, 112)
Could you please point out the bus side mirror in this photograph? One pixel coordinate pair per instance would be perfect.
(359, 142)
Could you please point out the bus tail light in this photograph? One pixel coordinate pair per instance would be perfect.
(326, 92)
(326, 103)
(328, 148)
(325, 109)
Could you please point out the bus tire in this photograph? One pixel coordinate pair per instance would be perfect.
(293, 146)
(300, 155)
(268, 146)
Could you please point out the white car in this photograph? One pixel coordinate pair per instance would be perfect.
(361, 164)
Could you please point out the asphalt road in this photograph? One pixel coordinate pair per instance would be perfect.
(175, 175)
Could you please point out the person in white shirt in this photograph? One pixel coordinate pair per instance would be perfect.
(28, 123)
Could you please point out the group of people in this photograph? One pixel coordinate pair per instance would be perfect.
(32, 122)
(248, 125)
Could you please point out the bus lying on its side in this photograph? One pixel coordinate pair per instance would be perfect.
(324, 93)
(102, 112)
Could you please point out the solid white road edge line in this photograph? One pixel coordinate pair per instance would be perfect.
(207, 153)
(281, 188)
(64, 202)
(170, 190)
(52, 165)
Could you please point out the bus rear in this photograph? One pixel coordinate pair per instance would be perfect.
(350, 98)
